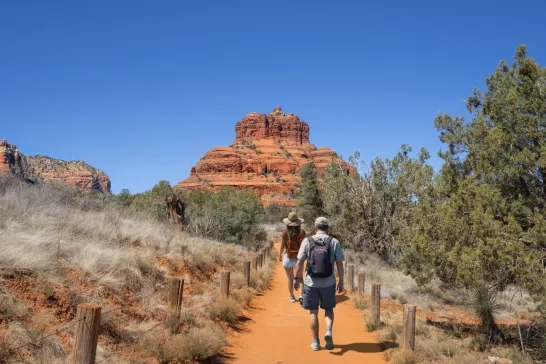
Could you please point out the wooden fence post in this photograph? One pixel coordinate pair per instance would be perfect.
(259, 257)
(351, 277)
(255, 263)
(376, 304)
(246, 271)
(224, 284)
(176, 288)
(408, 329)
(361, 283)
(86, 334)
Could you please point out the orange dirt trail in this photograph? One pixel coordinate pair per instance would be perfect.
(278, 332)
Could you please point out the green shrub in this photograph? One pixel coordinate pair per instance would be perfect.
(228, 215)
(274, 213)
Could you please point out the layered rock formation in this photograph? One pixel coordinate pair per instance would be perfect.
(266, 156)
(74, 173)
(12, 162)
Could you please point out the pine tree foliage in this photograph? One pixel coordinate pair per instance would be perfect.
(308, 194)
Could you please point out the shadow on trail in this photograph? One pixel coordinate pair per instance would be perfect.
(363, 348)
(341, 299)
(239, 326)
(220, 359)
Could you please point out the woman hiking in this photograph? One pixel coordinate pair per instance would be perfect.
(292, 237)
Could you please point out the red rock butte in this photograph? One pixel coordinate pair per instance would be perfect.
(266, 157)
(74, 173)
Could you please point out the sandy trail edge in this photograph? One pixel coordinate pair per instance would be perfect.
(278, 331)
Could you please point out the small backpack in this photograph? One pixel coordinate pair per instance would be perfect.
(319, 264)
(292, 246)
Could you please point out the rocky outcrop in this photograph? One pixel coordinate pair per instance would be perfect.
(74, 173)
(266, 156)
(12, 162)
(277, 125)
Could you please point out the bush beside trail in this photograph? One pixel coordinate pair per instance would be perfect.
(227, 215)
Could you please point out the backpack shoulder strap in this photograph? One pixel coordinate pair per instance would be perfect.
(328, 242)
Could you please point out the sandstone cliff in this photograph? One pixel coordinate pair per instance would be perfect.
(74, 173)
(266, 156)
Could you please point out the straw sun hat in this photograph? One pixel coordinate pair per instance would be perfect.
(292, 220)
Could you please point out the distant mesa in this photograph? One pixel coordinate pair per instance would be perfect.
(74, 173)
(266, 156)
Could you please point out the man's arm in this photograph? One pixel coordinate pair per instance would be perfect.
(298, 271)
(298, 274)
(339, 265)
(339, 258)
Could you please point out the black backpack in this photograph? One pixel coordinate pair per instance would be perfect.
(319, 264)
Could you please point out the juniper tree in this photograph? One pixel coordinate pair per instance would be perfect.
(308, 194)
(486, 225)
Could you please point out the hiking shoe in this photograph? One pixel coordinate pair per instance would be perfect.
(292, 299)
(315, 345)
(329, 341)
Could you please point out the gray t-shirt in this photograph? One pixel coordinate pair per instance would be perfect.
(336, 254)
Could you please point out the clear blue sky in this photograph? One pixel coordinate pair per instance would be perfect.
(142, 89)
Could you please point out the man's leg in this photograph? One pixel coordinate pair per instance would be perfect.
(329, 318)
(313, 320)
(311, 303)
(327, 303)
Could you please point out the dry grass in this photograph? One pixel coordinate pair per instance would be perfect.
(394, 283)
(198, 344)
(48, 349)
(402, 288)
(433, 344)
(80, 250)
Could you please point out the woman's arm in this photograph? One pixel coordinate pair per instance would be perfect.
(282, 247)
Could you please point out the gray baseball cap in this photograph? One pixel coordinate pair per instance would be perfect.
(321, 221)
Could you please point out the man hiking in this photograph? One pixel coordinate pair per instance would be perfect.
(292, 237)
(320, 251)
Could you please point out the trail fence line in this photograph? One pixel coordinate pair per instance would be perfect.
(85, 339)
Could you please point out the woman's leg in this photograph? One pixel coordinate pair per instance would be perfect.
(290, 276)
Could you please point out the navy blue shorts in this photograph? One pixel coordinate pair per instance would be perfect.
(312, 296)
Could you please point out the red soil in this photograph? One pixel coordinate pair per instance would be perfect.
(278, 332)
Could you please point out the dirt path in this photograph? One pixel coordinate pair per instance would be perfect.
(278, 332)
